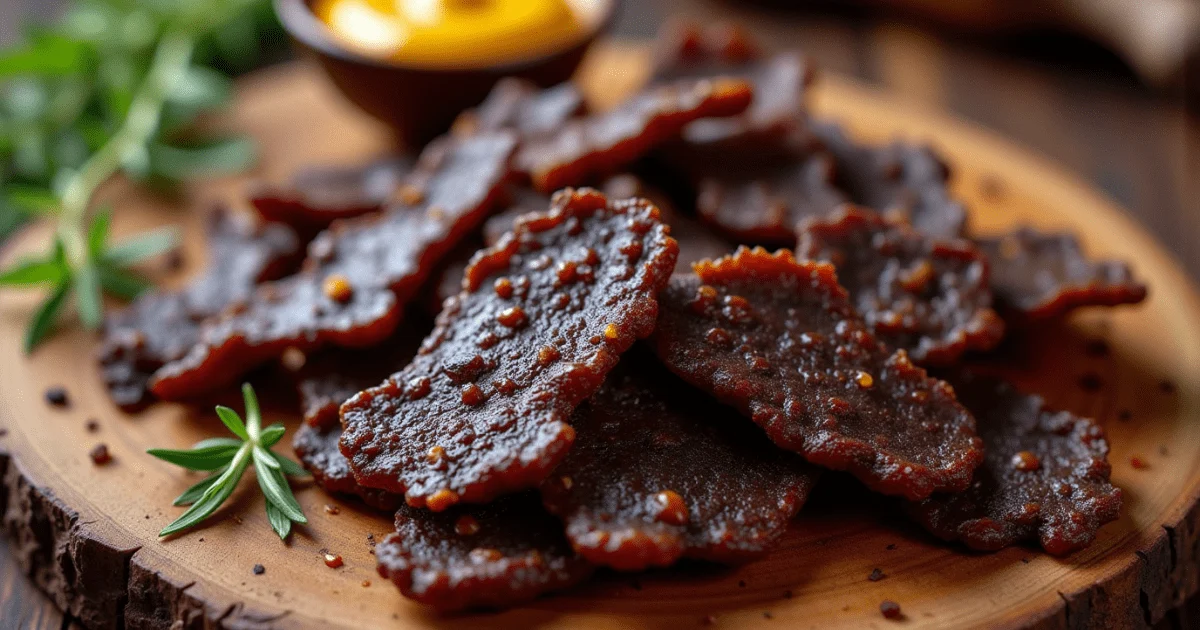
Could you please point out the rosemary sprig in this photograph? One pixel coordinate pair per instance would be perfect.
(228, 459)
(114, 87)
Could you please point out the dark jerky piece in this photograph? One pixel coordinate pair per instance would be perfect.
(606, 142)
(778, 340)
(658, 472)
(522, 200)
(447, 278)
(1045, 477)
(160, 326)
(928, 296)
(317, 449)
(316, 197)
(358, 274)
(1038, 276)
(542, 317)
(521, 106)
(780, 82)
(490, 556)
(897, 180)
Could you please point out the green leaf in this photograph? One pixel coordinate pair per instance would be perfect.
(220, 157)
(276, 489)
(98, 233)
(260, 455)
(32, 272)
(253, 414)
(217, 441)
(279, 521)
(193, 494)
(232, 421)
(50, 56)
(287, 466)
(212, 498)
(202, 88)
(142, 247)
(121, 283)
(31, 199)
(271, 435)
(207, 458)
(43, 319)
(87, 294)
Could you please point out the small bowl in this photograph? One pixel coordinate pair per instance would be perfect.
(418, 103)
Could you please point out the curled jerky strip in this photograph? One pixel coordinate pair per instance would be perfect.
(316, 197)
(777, 339)
(543, 316)
(317, 449)
(519, 105)
(358, 274)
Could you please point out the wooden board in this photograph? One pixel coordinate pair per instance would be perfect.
(87, 535)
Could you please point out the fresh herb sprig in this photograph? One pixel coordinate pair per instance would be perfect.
(115, 86)
(228, 459)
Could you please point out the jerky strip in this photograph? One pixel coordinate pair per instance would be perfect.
(358, 274)
(316, 197)
(658, 472)
(778, 340)
(543, 316)
(1045, 476)
(519, 105)
(317, 450)
(928, 296)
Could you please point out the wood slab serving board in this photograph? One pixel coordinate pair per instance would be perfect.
(87, 534)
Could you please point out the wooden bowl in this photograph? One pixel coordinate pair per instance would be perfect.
(419, 103)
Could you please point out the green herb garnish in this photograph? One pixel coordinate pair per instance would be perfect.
(228, 459)
(115, 86)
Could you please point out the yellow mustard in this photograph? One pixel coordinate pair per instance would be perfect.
(453, 33)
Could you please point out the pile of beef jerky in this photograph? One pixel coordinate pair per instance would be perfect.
(588, 391)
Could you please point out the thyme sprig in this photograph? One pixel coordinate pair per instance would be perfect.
(228, 459)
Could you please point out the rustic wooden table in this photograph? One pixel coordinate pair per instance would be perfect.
(1071, 102)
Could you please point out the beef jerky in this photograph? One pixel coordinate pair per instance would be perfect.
(160, 326)
(1038, 276)
(778, 340)
(519, 105)
(316, 197)
(1045, 476)
(928, 296)
(491, 556)
(899, 180)
(358, 275)
(447, 278)
(658, 473)
(606, 142)
(542, 317)
(685, 51)
(317, 449)
(522, 200)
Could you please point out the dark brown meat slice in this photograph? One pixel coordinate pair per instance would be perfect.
(160, 326)
(359, 274)
(659, 471)
(317, 449)
(316, 197)
(543, 316)
(522, 200)
(519, 105)
(490, 556)
(897, 180)
(928, 296)
(1045, 476)
(607, 142)
(1038, 276)
(778, 340)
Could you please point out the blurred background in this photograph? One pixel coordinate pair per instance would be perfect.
(1105, 88)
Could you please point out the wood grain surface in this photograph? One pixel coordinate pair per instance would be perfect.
(88, 539)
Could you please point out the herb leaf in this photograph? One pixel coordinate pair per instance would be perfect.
(32, 272)
(212, 498)
(193, 494)
(142, 247)
(271, 435)
(43, 319)
(279, 521)
(207, 458)
(289, 467)
(120, 283)
(87, 292)
(275, 488)
(232, 421)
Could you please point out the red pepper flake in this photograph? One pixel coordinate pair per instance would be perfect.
(332, 510)
(1138, 463)
(57, 396)
(259, 569)
(333, 561)
(890, 609)
(876, 575)
(100, 455)
(366, 583)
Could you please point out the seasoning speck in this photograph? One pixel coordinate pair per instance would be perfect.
(890, 609)
(876, 575)
(100, 455)
(366, 583)
(1138, 463)
(259, 569)
(1124, 415)
(333, 560)
(1168, 387)
(57, 396)
(1090, 382)
(1097, 348)
(891, 547)
(741, 583)
(332, 510)
(337, 288)
(92, 425)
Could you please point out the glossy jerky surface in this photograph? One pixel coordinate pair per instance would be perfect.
(544, 314)
(607, 142)
(317, 449)
(898, 180)
(1045, 477)
(928, 296)
(1038, 276)
(315, 197)
(659, 471)
(519, 105)
(778, 340)
(160, 326)
(358, 275)
(490, 556)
